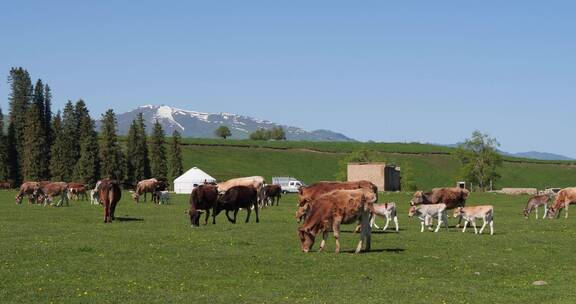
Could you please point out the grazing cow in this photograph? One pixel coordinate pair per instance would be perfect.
(110, 193)
(162, 197)
(452, 197)
(143, 187)
(235, 198)
(471, 213)
(564, 198)
(428, 212)
(534, 202)
(269, 193)
(386, 210)
(203, 198)
(27, 188)
(5, 185)
(338, 207)
(50, 190)
(308, 194)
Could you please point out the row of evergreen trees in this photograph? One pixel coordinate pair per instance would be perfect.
(37, 145)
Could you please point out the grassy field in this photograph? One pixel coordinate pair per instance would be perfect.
(152, 255)
(428, 170)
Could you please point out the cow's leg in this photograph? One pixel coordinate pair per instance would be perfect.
(106, 211)
(336, 229)
(396, 223)
(248, 211)
(229, 219)
(112, 209)
(205, 218)
(446, 221)
(439, 222)
(373, 221)
(235, 214)
(566, 205)
(491, 226)
(422, 225)
(387, 222)
(465, 225)
(536, 211)
(483, 225)
(474, 225)
(323, 243)
(545, 211)
(257, 216)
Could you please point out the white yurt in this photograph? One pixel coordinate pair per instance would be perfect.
(186, 182)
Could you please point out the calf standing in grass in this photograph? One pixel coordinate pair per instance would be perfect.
(427, 212)
(563, 200)
(534, 202)
(471, 213)
(386, 210)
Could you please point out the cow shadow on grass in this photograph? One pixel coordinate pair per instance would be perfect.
(391, 250)
(128, 219)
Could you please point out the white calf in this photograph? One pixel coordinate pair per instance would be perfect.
(471, 213)
(94, 197)
(386, 210)
(163, 197)
(428, 212)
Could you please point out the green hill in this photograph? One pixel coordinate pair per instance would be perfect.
(431, 166)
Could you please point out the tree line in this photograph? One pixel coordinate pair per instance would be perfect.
(39, 145)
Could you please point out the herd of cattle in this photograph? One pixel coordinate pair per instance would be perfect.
(322, 207)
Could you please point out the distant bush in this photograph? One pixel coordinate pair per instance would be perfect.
(276, 133)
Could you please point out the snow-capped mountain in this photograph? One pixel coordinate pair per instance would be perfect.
(200, 124)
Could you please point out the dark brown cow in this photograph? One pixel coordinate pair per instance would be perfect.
(5, 185)
(109, 193)
(335, 208)
(50, 190)
(308, 194)
(269, 193)
(564, 199)
(202, 198)
(27, 188)
(235, 198)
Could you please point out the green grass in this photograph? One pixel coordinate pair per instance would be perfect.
(67, 255)
(429, 170)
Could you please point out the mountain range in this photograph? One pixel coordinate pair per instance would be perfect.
(202, 125)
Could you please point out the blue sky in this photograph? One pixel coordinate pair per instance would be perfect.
(429, 71)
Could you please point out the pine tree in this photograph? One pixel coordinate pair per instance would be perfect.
(58, 164)
(176, 167)
(4, 174)
(37, 136)
(20, 99)
(143, 161)
(131, 153)
(158, 153)
(47, 127)
(88, 166)
(12, 155)
(71, 152)
(111, 156)
(33, 165)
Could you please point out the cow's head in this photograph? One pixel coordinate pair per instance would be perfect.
(418, 198)
(19, 199)
(554, 212)
(135, 196)
(527, 212)
(457, 212)
(412, 211)
(306, 239)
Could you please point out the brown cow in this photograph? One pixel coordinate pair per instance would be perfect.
(202, 198)
(49, 190)
(235, 198)
(453, 197)
(333, 209)
(308, 194)
(5, 185)
(143, 187)
(27, 188)
(534, 202)
(269, 193)
(564, 198)
(109, 194)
